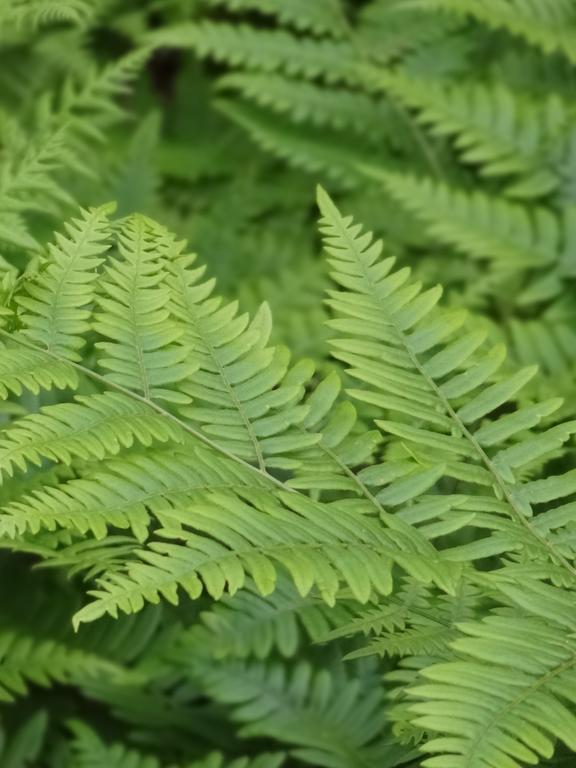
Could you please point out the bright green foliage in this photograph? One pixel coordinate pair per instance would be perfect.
(243, 392)
(55, 314)
(281, 504)
(443, 485)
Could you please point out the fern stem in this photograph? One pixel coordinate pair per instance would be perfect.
(354, 477)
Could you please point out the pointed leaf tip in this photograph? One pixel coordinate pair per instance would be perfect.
(324, 201)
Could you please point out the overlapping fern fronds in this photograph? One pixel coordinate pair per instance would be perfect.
(183, 436)
(207, 543)
(153, 325)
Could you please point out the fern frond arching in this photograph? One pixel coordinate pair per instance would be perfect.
(27, 660)
(330, 716)
(337, 108)
(249, 625)
(413, 367)
(334, 61)
(223, 562)
(93, 427)
(505, 700)
(124, 493)
(25, 369)
(310, 148)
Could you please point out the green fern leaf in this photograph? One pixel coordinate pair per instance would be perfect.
(123, 493)
(548, 24)
(405, 351)
(27, 660)
(34, 13)
(24, 369)
(312, 149)
(323, 17)
(244, 394)
(94, 427)
(56, 303)
(514, 237)
(501, 132)
(329, 717)
(333, 61)
(91, 752)
(337, 108)
(505, 701)
(249, 625)
(143, 353)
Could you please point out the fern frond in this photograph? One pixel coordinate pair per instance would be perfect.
(329, 717)
(249, 625)
(390, 29)
(324, 17)
(423, 626)
(218, 543)
(91, 752)
(335, 462)
(512, 236)
(493, 127)
(123, 493)
(26, 742)
(549, 341)
(62, 137)
(88, 107)
(303, 102)
(309, 148)
(333, 61)
(223, 563)
(26, 659)
(344, 461)
(55, 304)
(27, 176)
(94, 427)
(244, 394)
(36, 13)
(548, 24)
(23, 369)
(142, 351)
(505, 700)
(417, 369)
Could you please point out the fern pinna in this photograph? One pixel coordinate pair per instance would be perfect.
(413, 495)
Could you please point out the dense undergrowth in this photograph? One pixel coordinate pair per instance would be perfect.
(308, 497)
